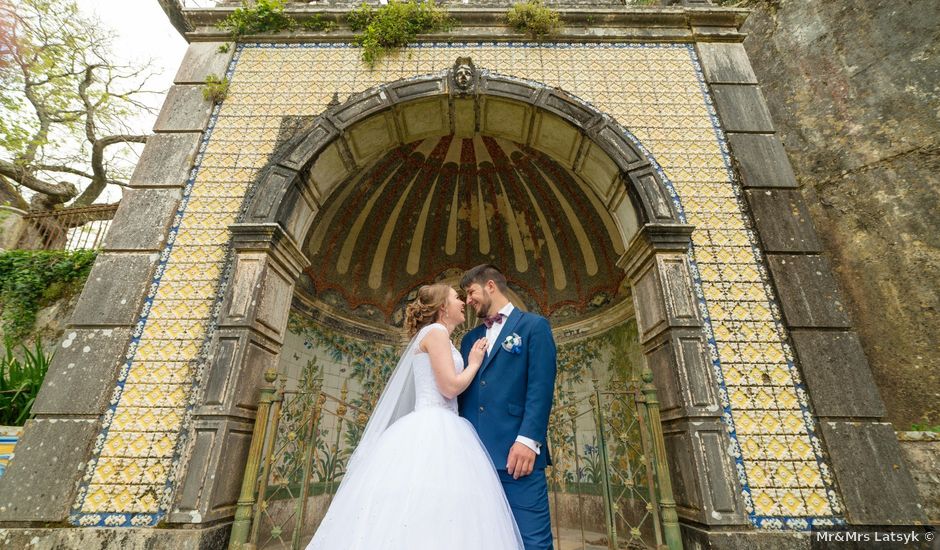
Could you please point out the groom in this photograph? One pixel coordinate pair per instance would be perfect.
(510, 398)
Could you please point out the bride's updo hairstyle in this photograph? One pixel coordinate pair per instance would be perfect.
(425, 307)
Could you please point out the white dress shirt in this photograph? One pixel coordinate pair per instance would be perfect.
(492, 335)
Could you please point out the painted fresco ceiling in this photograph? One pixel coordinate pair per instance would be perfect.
(427, 210)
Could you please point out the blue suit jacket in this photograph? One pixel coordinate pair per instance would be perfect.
(512, 392)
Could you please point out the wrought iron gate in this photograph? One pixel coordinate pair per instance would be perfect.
(618, 496)
(610, 485)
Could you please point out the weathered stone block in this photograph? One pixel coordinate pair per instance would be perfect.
(201, 60)
(921, 452)
(213, 479)
(807, 291)
(142, 220)
(214, 537)
(236, 372)
(166, 161)
(783, 221)
(683, 374)
(83, 372)
(875, 484)
(704, 484)
(695, 537)
(184, 110)
(837, 374)
(741, 108)
(114, 290)
(41, 481)
(725, 63)
(761, 160)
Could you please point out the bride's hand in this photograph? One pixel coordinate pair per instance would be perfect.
(477, 352)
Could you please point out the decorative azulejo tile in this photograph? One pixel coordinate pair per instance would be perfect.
(655, 90)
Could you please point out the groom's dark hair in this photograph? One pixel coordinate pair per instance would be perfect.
(483, 273)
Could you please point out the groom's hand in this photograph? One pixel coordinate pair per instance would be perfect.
(521, 460)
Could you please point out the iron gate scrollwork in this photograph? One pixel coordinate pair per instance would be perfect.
(611, 436)
(610, 484)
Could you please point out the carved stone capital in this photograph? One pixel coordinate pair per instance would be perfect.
(272, 239)
(651, 239)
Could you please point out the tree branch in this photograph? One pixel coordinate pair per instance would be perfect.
(62, 190)
(99, 179)
(62, 168)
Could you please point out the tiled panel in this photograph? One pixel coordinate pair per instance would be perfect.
(655, 90)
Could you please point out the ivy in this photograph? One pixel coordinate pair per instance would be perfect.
(533, 19)
(394, 25)
(32, 279)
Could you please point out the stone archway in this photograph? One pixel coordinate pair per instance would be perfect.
(347, 137)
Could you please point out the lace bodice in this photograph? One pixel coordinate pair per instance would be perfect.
(426, 392)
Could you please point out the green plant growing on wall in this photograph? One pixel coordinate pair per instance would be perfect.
(319, 24)
(394, 26)
(268, 16)
(256, 17)
(925, 428)
(20, 380)
(533, 18)
(215, 89)
(31, 279)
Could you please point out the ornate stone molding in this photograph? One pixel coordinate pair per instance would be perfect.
(460, 109)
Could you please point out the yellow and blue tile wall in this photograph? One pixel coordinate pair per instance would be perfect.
(655, 90)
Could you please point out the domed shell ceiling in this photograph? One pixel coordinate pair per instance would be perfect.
(427, 210)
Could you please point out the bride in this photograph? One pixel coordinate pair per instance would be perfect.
(420, 479)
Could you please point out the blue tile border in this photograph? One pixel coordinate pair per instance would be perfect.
(765, 522)
(111, 519)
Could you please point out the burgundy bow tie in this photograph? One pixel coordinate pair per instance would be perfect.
(498, 318)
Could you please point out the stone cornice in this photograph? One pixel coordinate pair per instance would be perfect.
(645, 24)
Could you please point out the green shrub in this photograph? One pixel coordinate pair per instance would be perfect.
(20, 380)
(31, 279)
(215, 89)
(256, 17)
(394, 25)
(533, 19)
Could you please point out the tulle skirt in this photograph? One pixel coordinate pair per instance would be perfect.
(427, 485)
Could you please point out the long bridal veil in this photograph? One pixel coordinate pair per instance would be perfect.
(397, 400)
(419, 479)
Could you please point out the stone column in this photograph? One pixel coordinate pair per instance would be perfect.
(670, 327)
(248, 341)
(871, 476)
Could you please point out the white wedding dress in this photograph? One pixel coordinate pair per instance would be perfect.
(427, 483)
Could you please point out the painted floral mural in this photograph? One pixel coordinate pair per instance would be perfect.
(351, 373)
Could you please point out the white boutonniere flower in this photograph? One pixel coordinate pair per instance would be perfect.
(513, 343)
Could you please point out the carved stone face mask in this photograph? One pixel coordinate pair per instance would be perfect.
(462, 76)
